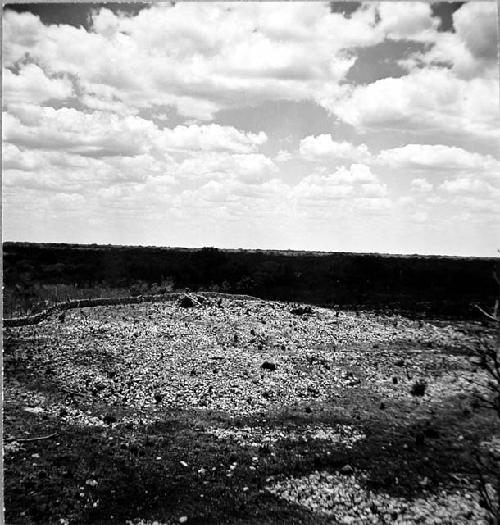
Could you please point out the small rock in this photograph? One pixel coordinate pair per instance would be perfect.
(346, 470)
(418, 389)
(183, 519)
(185, 302)
(33, 410)
(268, 365)
(301, 310)
(158, 397)
(109, 418)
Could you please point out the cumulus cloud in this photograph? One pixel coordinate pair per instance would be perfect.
(476, 24)
(425, 100)
(323, 147)
(201, 58)
(357, 182)
(197, 57)
(211, 137)
(283, 156)
(421, 185)
(31, 85)
(408, 20)
(110, 123)
(471, 51)
(437, 157)
(107, 134)
(250, 168)
(468, 185)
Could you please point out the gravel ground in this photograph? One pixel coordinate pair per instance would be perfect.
(342, 498)
(148, 356)
(250, 361)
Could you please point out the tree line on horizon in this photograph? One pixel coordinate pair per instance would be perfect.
(421, 285)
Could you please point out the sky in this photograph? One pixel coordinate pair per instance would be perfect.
(306, 126)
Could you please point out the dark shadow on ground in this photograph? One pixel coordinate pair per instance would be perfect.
(139, 472)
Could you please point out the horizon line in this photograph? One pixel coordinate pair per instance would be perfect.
(250, 250)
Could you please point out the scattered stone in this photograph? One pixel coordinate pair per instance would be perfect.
(158, 397)
(301, 310)
(343, 499)
(33, 410)
(109, 419)
(186, 302)
(268, 365)
(346, 470)
(418, 389)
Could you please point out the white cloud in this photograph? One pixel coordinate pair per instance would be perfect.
(421, 185)
(323, 147)
(412, 20)
(420, 217)
(437, 157)
(31, 85)
(172, 56)
(356, 182)
(356, 173)
(471, 50)
(476, 25)
(197, 57)
(373, 190)
(62, 130)
(14, 158)
(468, 185)
(250, 168)
(469, 193)
(427, 100)
(283, 156)
(107, 134)
(107, 160)
(210, 137)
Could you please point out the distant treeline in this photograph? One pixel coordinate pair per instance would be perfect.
(418, 285)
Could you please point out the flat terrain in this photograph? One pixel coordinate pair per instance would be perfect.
(236, 411)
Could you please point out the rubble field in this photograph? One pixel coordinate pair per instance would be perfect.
(227, 410)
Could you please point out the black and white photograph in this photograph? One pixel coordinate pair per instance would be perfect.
(251, 263)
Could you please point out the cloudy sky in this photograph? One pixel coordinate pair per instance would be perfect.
(333, 127)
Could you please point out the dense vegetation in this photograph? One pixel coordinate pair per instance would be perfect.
(436, 286)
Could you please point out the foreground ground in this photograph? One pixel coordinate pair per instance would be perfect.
(236, 411)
